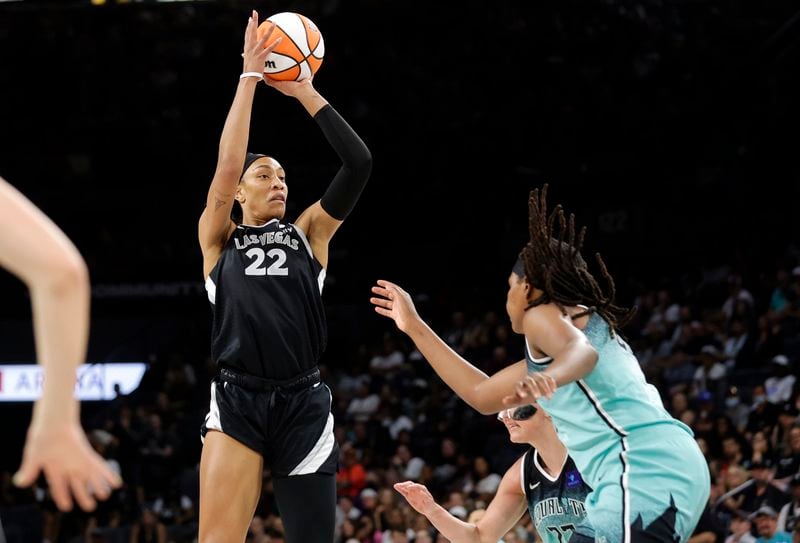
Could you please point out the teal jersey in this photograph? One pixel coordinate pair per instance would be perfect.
(779, 537)
(556, 505)
(595, 415)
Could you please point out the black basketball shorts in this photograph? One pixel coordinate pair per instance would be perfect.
(288, 422)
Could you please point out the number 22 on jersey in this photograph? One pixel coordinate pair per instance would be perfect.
(259, 256)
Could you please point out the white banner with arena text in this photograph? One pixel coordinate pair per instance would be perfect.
(23, 382)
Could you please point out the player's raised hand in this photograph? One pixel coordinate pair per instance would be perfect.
(70, 465)
(417, 496)
(392, 301)
(531, 388)
(256, 49)
(292, 88)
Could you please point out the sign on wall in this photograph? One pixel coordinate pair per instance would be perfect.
(23, 382)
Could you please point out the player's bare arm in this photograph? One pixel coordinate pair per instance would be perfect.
(215, 224)
(481, 392)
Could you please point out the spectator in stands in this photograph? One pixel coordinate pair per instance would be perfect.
(735, 481)
(149, 528)
(737, 349)
(709, 528)
(736, 293)
(763, 491)
(737, 410)
(364, 404)
(762, 449)
(351, 477)
(789, 462)
(779, 297)
(408, 466)
(763, 414)
(780, 385)
(740, 529)
(710, 373)
(766, 520)
(789, 515)
(390, 358)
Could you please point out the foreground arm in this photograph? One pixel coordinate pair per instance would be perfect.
(507, 507)
(37, 251)
(480, 391)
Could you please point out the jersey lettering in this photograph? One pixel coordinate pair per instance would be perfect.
(563, 532)
(258, 255)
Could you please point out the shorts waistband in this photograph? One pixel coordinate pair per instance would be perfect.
(259, 384)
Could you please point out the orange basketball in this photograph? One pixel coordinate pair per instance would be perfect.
(300, 53)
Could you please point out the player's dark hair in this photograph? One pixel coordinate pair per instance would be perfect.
(237, 214)
(555, 266)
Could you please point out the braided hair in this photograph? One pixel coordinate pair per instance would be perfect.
(555, 266)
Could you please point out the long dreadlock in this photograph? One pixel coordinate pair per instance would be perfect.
(555, 265)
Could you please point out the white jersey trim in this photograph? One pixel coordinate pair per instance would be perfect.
(211, 289)
(623, 456)
(538, 361)
(259, 226)
(213, 421)
(322, 273)
(544, 471)
(321, 279)
(304, 238)
(321, 449)
(522, 473)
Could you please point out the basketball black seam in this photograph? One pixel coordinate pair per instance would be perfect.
(305, 57)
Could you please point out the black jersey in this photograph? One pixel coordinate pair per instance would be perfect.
(265, 293)
(557, 506)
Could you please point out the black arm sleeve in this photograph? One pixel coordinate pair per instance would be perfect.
(343, 192)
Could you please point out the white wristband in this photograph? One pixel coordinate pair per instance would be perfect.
(251, 74)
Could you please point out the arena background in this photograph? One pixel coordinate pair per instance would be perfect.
(669, 127)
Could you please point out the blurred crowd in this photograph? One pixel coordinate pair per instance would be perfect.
(723, 352)
(618, 87)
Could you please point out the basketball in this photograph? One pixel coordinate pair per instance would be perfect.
(300, 53)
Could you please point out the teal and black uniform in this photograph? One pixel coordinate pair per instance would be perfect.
(649, 479)
(556, 505)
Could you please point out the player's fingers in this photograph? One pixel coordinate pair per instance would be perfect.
(380, 291)
(113, 479)
(382, 302)
(386, 284)
(80, 490)
(59, 488)
(402, 490)
(530, 388)
(545, 384)
(267, 50)
(382, 311)
(103, 481)
(248, 31)
(263, 49)
(26, 474)
(263, 40)
(551, 386)
(394, 290)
